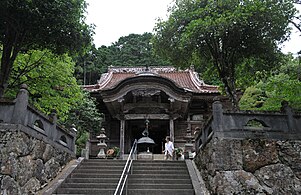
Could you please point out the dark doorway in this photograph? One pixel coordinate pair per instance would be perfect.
(158, 130)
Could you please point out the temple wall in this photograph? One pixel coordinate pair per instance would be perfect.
(33, 147)
(248, 152)
(27, 163)
(251, 166)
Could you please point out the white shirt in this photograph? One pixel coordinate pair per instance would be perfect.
(169, 148)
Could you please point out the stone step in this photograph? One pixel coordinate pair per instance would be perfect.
(100, 176)
(160, 172)
(97, 171)
(90, 191)
(90, 185)
(158, 181)
(159, 176)
(161, 192)
(159, 186)
(100, 164)
(119, 167)
(92, 180)
(104, 160)
(159, 165)
(147, 168)
(85, 175)
(159, 162)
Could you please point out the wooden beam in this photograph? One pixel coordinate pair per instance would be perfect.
(146, 116)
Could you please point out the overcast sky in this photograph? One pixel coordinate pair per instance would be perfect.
(117, 18)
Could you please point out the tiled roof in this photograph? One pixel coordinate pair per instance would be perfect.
(186, 79)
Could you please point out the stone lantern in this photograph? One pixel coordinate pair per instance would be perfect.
(188, 145)
(144, 144)
(102, 143)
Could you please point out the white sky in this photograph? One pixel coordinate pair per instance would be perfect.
(117, 18)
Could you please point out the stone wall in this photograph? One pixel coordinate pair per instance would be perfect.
(27, 163)
(251, 166)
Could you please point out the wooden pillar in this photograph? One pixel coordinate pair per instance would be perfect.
(171, 122)
(121, 143)
(171, 130)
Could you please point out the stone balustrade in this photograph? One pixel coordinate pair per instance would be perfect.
(250, 152)
(284, 125)
(36, 123)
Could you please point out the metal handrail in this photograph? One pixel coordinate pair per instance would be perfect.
(126, 170)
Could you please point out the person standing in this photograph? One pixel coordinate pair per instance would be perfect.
(169, 148)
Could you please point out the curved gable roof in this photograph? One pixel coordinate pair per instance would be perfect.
(185, 79)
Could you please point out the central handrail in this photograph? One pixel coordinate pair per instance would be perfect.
(126, 170)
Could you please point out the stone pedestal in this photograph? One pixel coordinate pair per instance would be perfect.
(101, 153)
(145, 156)
(188, 149)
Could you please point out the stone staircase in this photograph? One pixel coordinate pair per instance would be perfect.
(160, 178)
(99, 177)
(93, 176)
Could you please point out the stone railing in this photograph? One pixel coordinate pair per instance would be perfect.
(285, 125)
(36, 123)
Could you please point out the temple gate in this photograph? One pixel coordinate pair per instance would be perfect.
(172, 100)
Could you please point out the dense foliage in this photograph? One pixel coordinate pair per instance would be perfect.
(135, 50)
(131, 50)
(52, 86)
(86, 118)
(56, 25)
(224, 34)
(268, 93)
(50, 80)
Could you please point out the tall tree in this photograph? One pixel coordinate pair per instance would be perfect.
(224, 33)
(283, 84)
(56, 25)
(50, 81)
(135, 50)
(130, 50)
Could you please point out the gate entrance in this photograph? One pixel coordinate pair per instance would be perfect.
(158, 130)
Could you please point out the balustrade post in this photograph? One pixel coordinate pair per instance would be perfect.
(217, 112)
(20, 110)
(289, 116)
(53, 131)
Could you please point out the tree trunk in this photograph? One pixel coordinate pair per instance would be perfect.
(6, 66)
(231, 92)
(11, 47)
(226, 74)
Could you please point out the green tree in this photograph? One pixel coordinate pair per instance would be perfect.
(56, 25)
(224, 33)
(85, 115)
(86, 118)
(91, 64)
(50, 80)
(132, 50)
(282, 84)
(52, 86)
(135, 50)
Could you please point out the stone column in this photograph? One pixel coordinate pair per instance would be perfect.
(121, 143)
(20, 109)
(217, 112)
(290, 116)
(52, 134)
(73, 131)
(171, 130)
